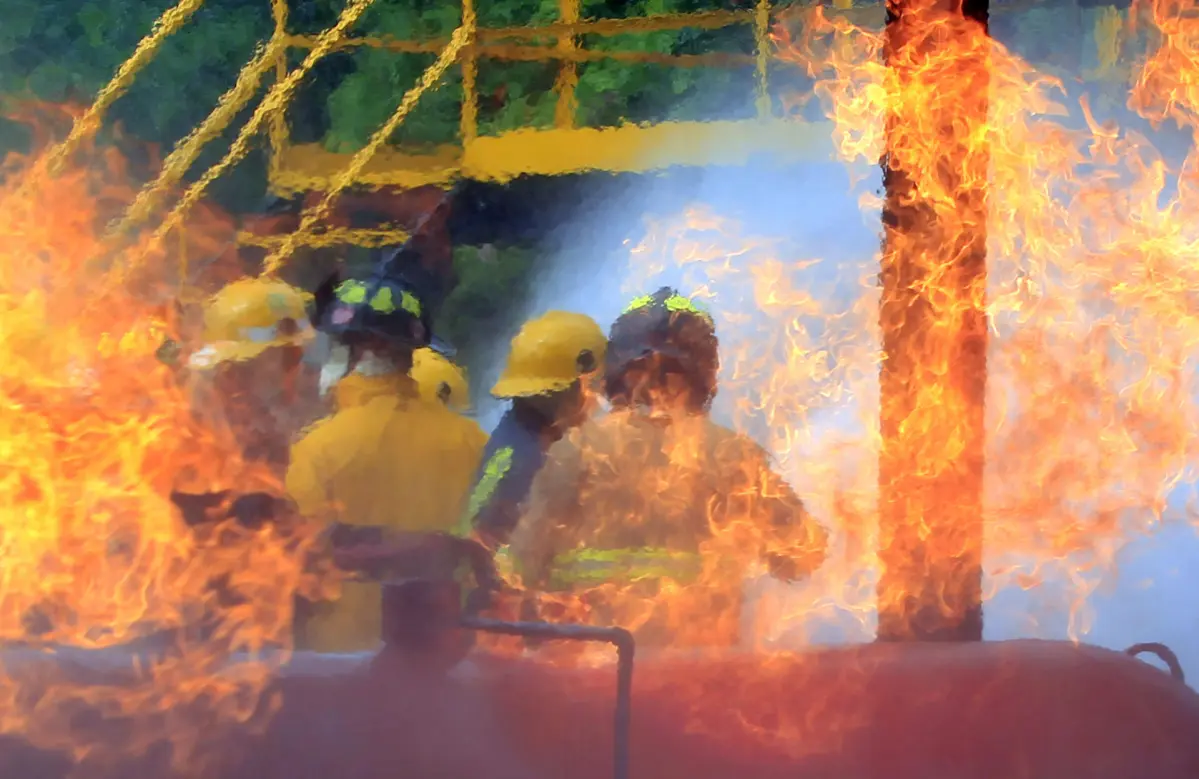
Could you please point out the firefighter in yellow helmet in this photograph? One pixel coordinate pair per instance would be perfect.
(440, 380)
(388, 464)
(251, 360)
(650, 516)
(552, 363)
(550, 375)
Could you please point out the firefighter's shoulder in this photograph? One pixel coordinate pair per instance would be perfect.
(437, 422)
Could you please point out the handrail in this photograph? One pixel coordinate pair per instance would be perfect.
(702, 20)
(495, 43)
(501, 51)
(165, 26)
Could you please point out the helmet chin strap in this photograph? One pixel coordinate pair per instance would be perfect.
(336, 368)
(345, 360)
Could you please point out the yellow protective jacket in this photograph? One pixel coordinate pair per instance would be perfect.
(385, 458)
(652, 524)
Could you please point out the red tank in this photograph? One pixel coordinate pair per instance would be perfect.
(995, 710)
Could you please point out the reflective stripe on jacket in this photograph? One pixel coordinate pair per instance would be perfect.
(633, 482)
(594, 566)
(514, 455)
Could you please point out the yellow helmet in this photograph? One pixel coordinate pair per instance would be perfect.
(440, 380)
(550, 353)
(248, 317)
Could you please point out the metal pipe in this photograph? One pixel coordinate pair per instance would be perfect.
(932, 381)
(618, 637)
(420, 615)
(1161, 652)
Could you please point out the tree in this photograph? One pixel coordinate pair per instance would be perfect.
(66, 51)
(520, 94)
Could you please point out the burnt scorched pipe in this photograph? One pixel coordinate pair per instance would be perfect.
(423, 622)
(932, 317)
(986, 710)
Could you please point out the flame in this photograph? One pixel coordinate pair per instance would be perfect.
(97, 431)
(1087, 314)
(1090, 392)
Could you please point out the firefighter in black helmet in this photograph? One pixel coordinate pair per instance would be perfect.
(651, 515)
(389, 464)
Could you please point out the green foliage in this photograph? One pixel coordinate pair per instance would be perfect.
(491, 285)
(520, 94)
(69, 49)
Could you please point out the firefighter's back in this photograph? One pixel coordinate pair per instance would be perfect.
(657, 482)
(389, 460)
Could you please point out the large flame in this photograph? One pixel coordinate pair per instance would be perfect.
(1089, 409)
(1089, 304)
(98, 428)
(1091, 387)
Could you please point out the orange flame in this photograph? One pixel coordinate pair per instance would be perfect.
(1089, 306)
(97, 431)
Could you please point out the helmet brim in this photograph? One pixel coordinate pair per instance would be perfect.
(512, 387)
(442, 346)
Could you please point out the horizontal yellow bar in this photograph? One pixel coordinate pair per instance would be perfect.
(705, 20)
(553, 152)
(513, 52)
(636, 149)
(311, 167)
(323, 239)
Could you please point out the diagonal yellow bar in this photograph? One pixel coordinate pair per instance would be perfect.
(347, 176)
(168, 24)
(275, 100)
(188, 149)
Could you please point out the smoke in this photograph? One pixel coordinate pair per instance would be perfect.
(817, 222)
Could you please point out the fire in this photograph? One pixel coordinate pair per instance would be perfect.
(1087, 315)
(97, 430)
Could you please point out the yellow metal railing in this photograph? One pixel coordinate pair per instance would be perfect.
(510, 43)
(468, 44)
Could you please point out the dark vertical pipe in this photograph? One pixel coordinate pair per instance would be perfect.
(934, 339)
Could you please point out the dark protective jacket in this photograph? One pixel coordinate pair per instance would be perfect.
(653, 523)
(513, 456)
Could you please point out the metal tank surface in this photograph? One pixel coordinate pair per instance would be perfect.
(991, 710)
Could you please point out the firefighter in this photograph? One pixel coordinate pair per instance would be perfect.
(249, 374)
(654, 499)
(552, 364)
(387, 464)
(251, 369)
(440, 380)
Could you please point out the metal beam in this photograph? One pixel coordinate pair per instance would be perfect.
(934, 339)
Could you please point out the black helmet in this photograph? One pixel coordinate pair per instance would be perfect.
(669, 325)
(382, 306)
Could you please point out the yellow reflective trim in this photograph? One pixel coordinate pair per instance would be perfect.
(409, 303)
(675, 303)
(505, 563)
(598, 565)
(638, 302)
(383, 302)
(352, 292)
(678, 303)
(622, 555)
(495, 470)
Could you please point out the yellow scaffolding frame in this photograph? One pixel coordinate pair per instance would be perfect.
(467, 45)
(309, 167)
